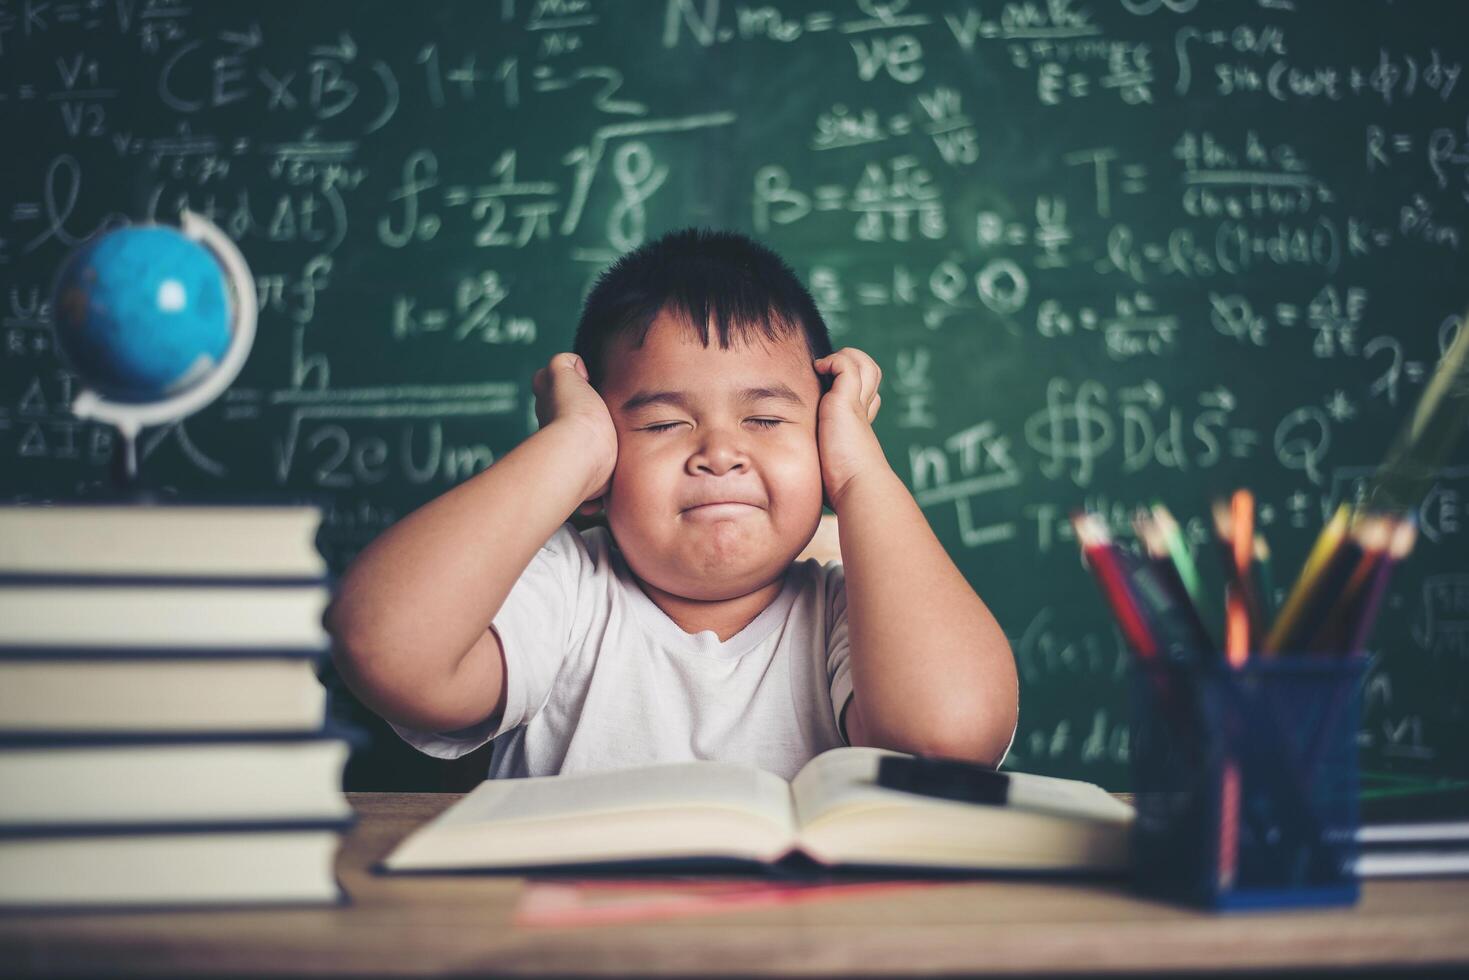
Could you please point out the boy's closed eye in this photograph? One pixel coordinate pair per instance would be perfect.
(761, 423)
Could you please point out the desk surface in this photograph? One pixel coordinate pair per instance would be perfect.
(462, 924)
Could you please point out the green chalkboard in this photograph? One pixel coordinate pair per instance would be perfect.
(1106, 252)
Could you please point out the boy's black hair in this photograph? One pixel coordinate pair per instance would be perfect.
(705, 278)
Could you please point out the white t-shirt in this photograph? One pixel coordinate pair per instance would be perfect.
(598, 677)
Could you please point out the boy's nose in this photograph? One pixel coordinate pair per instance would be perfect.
(720, 452)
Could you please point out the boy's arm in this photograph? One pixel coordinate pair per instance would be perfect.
(411, 616)
(932, 673)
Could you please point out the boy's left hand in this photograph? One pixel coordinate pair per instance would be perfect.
(844, 435)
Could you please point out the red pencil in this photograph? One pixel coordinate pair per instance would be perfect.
(1096, 546)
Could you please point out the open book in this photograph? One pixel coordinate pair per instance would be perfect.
(832, 812)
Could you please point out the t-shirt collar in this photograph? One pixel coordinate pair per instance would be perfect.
(705, 642)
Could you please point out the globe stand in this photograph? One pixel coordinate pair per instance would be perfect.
(130, 418)
(124, 468)
(125, 461)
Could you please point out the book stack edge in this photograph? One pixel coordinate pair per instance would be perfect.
(163, 732)
(1413, 825)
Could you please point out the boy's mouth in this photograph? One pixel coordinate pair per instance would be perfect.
(719, 510)
(719, 496)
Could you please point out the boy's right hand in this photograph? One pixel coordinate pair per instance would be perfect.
(564, 394)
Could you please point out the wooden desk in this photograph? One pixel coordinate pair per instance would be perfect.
(461, 924)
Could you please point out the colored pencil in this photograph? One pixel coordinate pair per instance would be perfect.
(1097, 548)
(1145, 612)
(1242, 527)
(1236, 655)
(1243, 627)
(1178, 549)
(1229, 806)
(1372, 535)
(1429, 435)
(1155, 604)
(1327, 544)
(1404, 536)
(1184, 614)
(1328, 584)
(1266, 576)
(1237, 639)
(1236, 628)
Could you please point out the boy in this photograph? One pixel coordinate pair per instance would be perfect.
(693, 414)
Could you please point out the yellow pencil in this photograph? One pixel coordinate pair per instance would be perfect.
(1374, 535)
(1326, 544)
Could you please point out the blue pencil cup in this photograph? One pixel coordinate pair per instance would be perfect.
(1246, 782)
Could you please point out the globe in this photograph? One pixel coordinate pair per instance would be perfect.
(142, 313)
(158, 322)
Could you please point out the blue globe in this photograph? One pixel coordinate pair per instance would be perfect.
(142, 313)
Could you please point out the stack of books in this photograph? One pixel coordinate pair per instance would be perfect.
(163, 736)
(1413, 825)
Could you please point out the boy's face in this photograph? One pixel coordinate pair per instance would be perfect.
(718, 481)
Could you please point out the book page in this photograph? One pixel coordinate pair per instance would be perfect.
(839, 779)
(673, 786)
(1056, 824)
(678, 810)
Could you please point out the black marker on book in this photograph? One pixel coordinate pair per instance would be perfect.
(945, 778)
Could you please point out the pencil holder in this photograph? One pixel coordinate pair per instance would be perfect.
(1246, 782)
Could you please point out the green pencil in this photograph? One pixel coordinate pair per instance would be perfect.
(1178, 550)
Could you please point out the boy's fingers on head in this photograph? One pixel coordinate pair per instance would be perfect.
(866, 377)
(864, 365)
(859, 369)
(873, 407)
(855, 359)
(833, 363)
